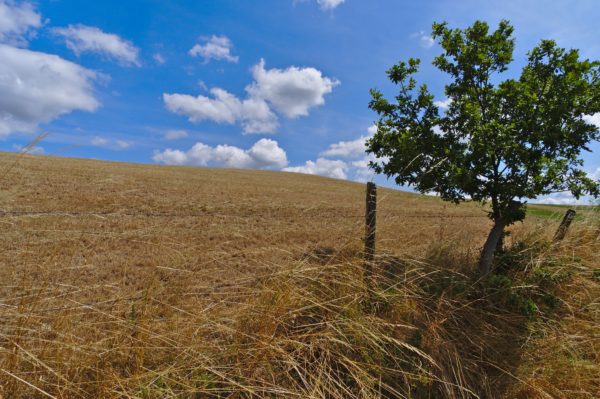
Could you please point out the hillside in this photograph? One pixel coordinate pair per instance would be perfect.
(85, 212)
(129, 280)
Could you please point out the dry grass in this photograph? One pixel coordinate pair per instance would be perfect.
(137, 281)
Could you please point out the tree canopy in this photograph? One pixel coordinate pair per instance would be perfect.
(503, 141)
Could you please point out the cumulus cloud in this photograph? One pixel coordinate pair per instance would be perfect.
(352, 163)
(17, 21)
(593, 119)
(82, 38)
(323, 167)
(350, 149)
(443, 104)
(361, 170)
(214, 48)
(291, 92)
(37, 87)
(224, 107)
(357, 170)
(254, 114)
(264, 154)
(425, 40)
(175, 134)
(346, 149)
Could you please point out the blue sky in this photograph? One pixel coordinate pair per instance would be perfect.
(277, 84)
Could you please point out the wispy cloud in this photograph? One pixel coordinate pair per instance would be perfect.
(159, 58)
(17, 22)
(82, 39)
(113, 144)
(425, 40)
(175, 134)
(329, 4)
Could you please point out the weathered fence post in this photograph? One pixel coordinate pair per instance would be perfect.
(370, 222)
(564, 225)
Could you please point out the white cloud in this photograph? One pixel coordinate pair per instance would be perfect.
(231, 157)
(425, 40)
(99, 141)
(122, 144)
(264, 154)
(214, 48)
(254, 114)
(292, 92)
(159, 58)
(325, 5)
(593, 119)
(561, 199)
(329, 4)
(361, 170)
(37, 87)
(82, 38)
(354, 162)
(257, 117)
(346, 149)
(175, 134)
(443, 104)
(267, 153)
(176, 157)
(350, 149)
(17, 21)
(566, 198)
(224, 107)
(323, 167)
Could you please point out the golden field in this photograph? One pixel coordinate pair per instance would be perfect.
(142, 281)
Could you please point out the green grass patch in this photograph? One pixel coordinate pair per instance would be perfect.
(559, 211)
(547, 213)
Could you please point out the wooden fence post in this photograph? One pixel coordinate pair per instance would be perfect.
(370, 222)
(564, 225)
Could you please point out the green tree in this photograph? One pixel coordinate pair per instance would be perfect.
(501, 142)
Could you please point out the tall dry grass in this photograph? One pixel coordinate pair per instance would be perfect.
(424, 329)
(132, 281)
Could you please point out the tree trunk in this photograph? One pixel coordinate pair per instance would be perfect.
(490, 246)
(500, 245)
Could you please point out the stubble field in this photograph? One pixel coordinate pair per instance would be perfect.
(116, 280)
